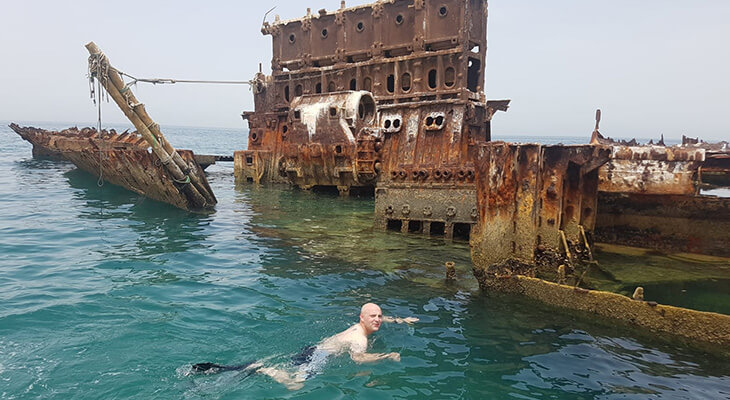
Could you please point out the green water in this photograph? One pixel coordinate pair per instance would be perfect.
(109, 295)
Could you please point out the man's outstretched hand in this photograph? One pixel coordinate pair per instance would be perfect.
(398, 320)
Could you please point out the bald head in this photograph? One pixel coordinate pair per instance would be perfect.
(369, 308)
(370, 318)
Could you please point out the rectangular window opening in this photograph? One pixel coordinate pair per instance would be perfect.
(415, 226)
(394, 225)
(438, 229)
(472, 77)
(462, 231)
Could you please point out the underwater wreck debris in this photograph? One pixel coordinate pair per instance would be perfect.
(185, 178)
(649, 195)
(417, 68)
(122, 158)
(698, 327)
(537, 209)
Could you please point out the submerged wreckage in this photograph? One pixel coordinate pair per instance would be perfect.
(390, 97)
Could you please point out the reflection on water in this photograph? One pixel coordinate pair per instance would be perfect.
(160, 227)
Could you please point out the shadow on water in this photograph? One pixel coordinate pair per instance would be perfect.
(159, 228)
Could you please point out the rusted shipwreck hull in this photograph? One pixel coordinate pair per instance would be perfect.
(386, 96)
(649, 196)
(537, 212)
(122, 159)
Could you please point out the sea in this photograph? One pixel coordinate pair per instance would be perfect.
(105, 294)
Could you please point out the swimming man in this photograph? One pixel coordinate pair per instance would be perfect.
(310, 361)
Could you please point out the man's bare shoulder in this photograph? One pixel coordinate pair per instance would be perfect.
(352, 337)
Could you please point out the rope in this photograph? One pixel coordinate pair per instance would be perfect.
(183, 181)
(163, 81)
(100, 181)
(167, 160)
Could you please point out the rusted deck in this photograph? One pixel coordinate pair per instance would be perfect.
(120, 158)
(649, 196)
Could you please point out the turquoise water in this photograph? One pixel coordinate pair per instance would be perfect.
(109, 295)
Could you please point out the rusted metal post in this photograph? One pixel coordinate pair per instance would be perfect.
(450, 271)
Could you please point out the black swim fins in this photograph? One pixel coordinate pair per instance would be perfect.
(212, 368)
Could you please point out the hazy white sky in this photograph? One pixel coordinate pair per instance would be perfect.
(652, 66)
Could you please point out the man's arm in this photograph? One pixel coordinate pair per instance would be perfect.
(397, 320)
(358, 353)
(372, 357)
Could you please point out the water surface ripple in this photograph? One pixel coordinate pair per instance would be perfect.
(109, 295)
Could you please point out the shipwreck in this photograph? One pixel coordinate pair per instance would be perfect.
(142, 161)
(386, 96)
(389, 97)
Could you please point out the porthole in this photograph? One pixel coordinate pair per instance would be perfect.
(432, 79)
(331, 86)
(324, 33)
(298, 90)
(396, 123)
(360, 26)
(292, 38)
(386, 124)
(390, 86)
(449, 77)
(353, 84)
(443, 11)
(405, 82)
(399, 19)
(366, 108)
(367, 84)
(439, 120)
(318, 87)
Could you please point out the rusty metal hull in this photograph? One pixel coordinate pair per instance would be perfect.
(422, 64)
(708, 330)
(537, 210)
(535, 199)
(676, 223)
(649, 196)
(121, 159)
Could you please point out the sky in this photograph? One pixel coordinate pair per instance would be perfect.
(652, 66)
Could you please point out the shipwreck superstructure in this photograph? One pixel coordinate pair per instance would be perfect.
(387, 96)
